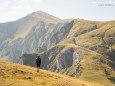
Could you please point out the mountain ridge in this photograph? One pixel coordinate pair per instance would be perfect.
(77, 47)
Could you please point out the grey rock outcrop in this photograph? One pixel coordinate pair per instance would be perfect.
(34, 33)
(57, 59)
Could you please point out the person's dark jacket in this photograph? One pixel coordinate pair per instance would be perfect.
(38, 61)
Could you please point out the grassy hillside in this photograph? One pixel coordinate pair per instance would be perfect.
(85, 50)
(94, 67)
(88, 53)
(94, 43)
(99, 39)
(19, 75)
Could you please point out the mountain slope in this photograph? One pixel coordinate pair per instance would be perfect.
(101, 40)
(77, 56)
(79, 48)
(17, 35)
(75, 61)
(18, 75)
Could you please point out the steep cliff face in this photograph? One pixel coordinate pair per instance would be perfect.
(58, 59)
(35, 35)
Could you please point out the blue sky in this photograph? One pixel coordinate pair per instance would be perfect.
(101, 10)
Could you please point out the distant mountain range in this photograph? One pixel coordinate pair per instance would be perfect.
(76, 47)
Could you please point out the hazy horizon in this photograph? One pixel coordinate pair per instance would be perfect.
(96, 10)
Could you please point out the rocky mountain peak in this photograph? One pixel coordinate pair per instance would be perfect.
(40, 15)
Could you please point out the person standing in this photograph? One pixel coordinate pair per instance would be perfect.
(38, 62)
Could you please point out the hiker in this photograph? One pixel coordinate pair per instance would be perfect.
(38, 62)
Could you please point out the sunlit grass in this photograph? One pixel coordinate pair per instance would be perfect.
(19, 75)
